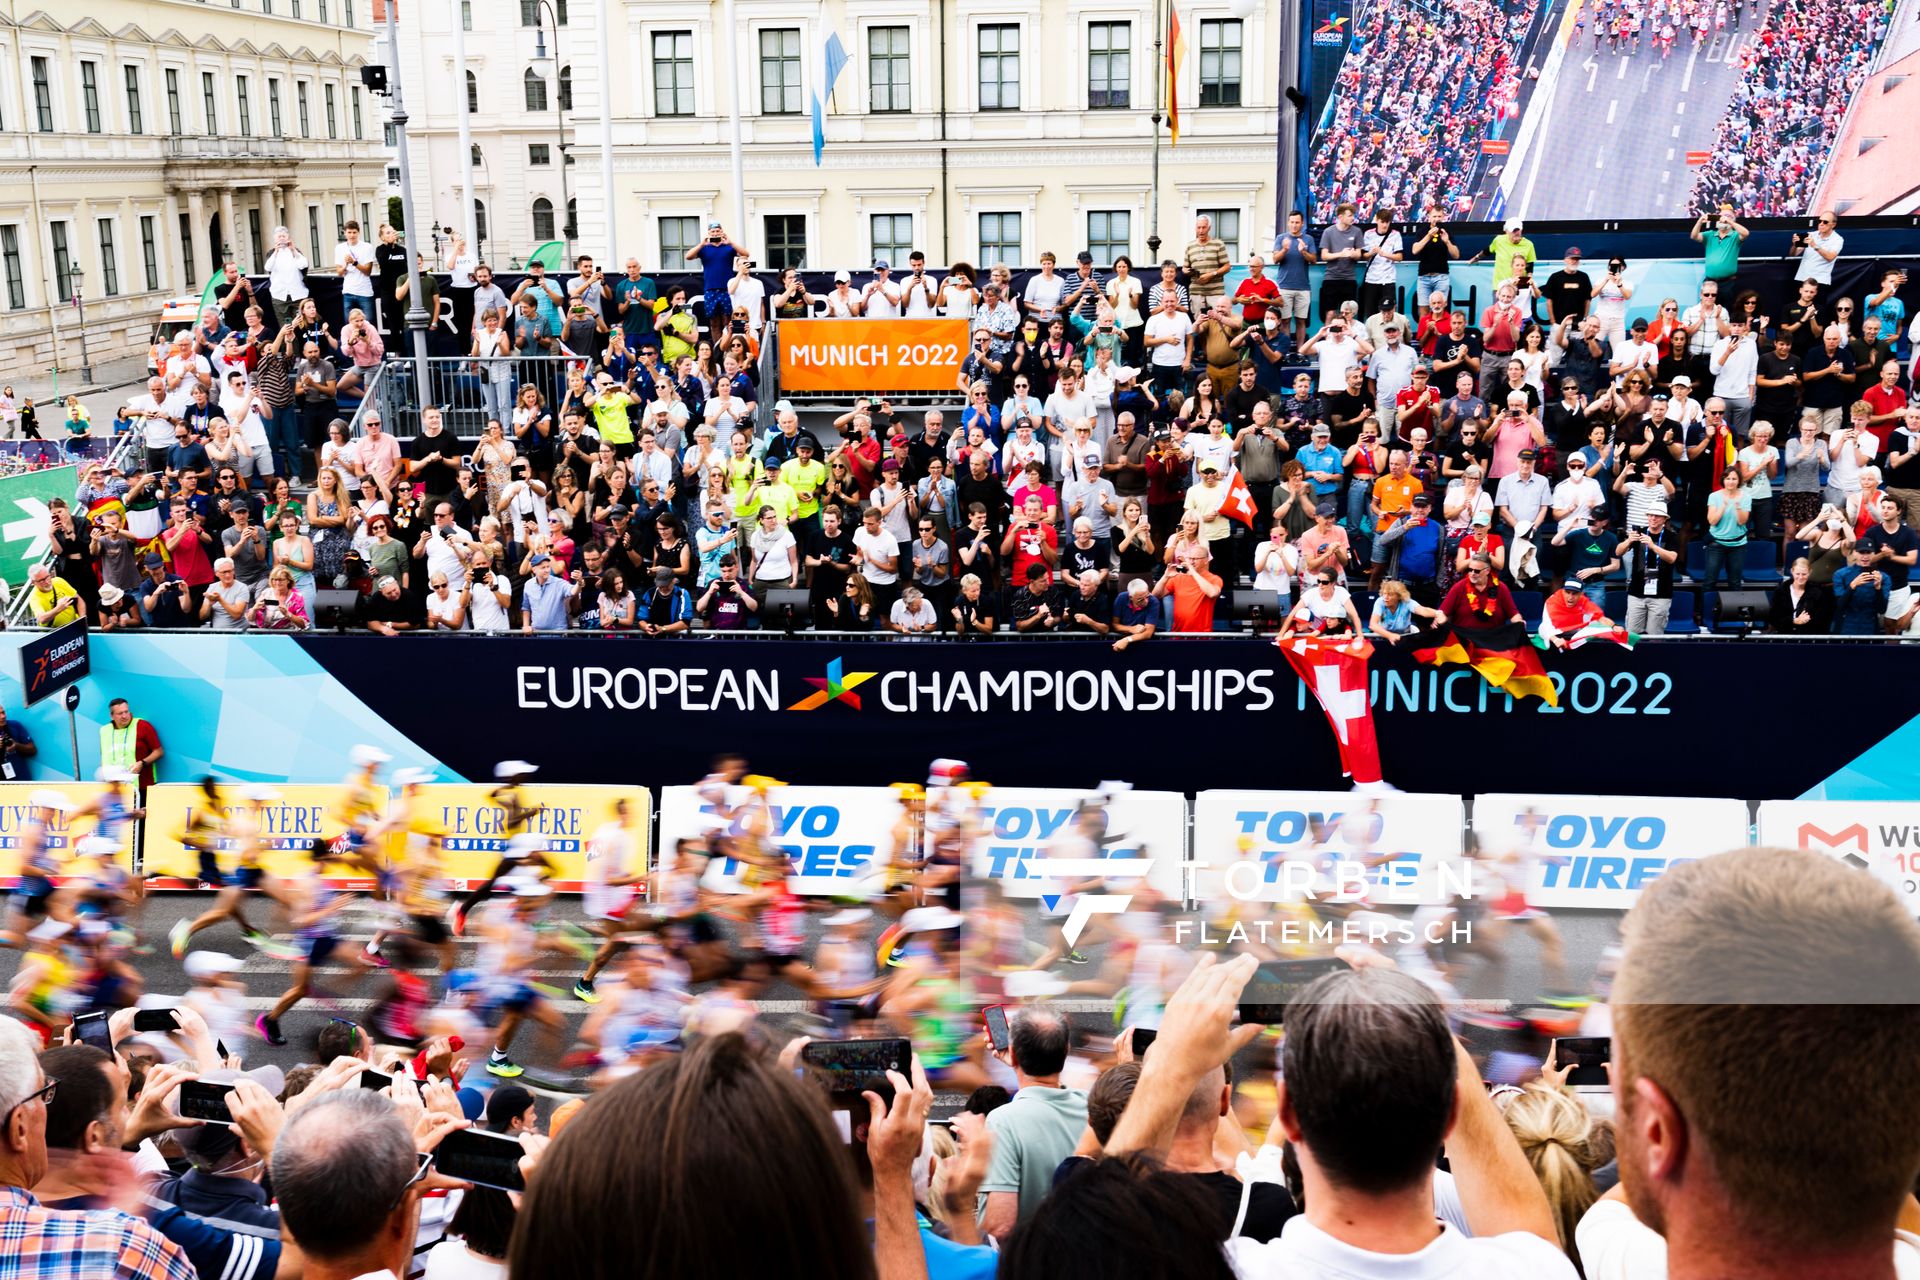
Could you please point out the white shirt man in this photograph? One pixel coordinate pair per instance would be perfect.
(1735, 362)
(1635, 353)
(156, 419)
(448, 546)
(1706, 319)
(184, 369)
(355, 257)
(875, 544)
(242, 414)
(881, 295)
(1575, 497)
(1823, 246)
(287, 272)
(749, 296)
(919, 293)
(1171, 328)
(1337, 353)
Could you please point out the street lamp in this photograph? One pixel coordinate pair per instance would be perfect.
(540, 57)
(79, 304)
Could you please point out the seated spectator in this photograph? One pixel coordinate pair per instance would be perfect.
(386, 611)
(445, 610)
(1039, 605)
(667, 609)
(1394, 612)
(615, 603)
(1326, 609)
(973, 613)
(279, 606)
(165, 599)
(1136, 613)
(1799, 605)
(53, 601)
(851, 610)
(913, 614)
(226, 601)
(1089, 608)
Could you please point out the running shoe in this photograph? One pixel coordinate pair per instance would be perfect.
(1074, 957)
(179, 936)
(584, 992)
(500, 1065)
(269, 1030)
(457, 919)
(371, 954)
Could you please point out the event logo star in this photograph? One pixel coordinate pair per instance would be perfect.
(1331, 26)
(837, 686)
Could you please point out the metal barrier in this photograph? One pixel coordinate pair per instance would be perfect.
(461, 390)
(770, 363)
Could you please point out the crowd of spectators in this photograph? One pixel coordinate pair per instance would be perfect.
(1223, 464)
(1422, 86)
(1366, 1144)
(1798, 80)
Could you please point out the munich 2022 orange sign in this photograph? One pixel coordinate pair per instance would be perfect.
(870, 356)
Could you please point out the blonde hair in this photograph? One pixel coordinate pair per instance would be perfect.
(1392, 591)
(1556, 1133)
(945, 1150)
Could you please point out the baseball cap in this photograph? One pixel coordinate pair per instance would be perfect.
(1322, 429)
(1422, 500)
(154, 561)
(841, 277)
(891, 464)
(1529, 455)
(541, 557)
(364, 755)
(880, 264)
(1325, 509)
(783, 406)
(1209, 465)
(1483, 517)
(663, 574)
(1570, 584)
(1573, 252)
(508, 1102)
(804, 442)
(1083, 256)
(896, 438)
(618, 509)
(1576, 461)
(1680, 380)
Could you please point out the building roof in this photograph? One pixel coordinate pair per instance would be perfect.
(1876, 159)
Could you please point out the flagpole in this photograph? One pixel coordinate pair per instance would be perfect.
(735, 89)
(1159, 101)
(612, 260)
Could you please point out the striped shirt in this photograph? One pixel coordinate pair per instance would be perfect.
(1210, 256)
(1159, 291)
(37, 1243)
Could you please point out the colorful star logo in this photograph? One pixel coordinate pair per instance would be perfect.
(1331, 26)
(837, 686)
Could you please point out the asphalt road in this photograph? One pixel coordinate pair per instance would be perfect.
(1619, 125)
(1520, 981)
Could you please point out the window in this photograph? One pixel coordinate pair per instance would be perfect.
(254, 238)
(1220, 62)
(1000, 67)
(572, 227)
(273, 108)
(1109, 66)
(566, 88)
(474, 155)
(892, 238)
(300, 101)
(780, 72)
(333, 128)
(346, 16)
(676, 237)
(150, 251)
(673, 73)
(529, 13)
(16, 275)
(393, 174)
(1226, 229)
(389, 136)
(90, 94)
(62, 261)
(539, 153)
(296, 8)
(209, 104)
(313, 238)
(42, 95)
(109, 260)
(466, 15)
(186, 248)
(323, 10)
(353, 92)
(1109, 233)
(536, 90)
(786, 241)
(244, 100)
(366, 218)
(174, 124)
(999, 238)
(480, 220)
(135, 124)
(473, 95)
(889, 67)
(339, 224)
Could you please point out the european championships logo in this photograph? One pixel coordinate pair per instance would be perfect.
(838, 685)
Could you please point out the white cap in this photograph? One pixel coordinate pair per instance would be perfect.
(210, 964)
(848, 918)
(841, 277)
(514, 769)
(930, 920)
(1656, 508)
(95, 846)
(364, 755)
(259, 792)
(1110, 788)
(114, 773)
(411, 777)
(48, 798)
(1512, 224)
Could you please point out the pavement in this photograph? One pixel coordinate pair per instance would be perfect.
(1619, 125)
(1586, 935)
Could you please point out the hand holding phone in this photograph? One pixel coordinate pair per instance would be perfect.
(484, 1159)
(998, 1033)
(206, 1102)
(1276, 983)
(91, 1029)
(853, 1067)
(1588, 1057)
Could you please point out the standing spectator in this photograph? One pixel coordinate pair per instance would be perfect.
(1037, 1130)
(130, 743)
(1650, 553)
(355, 264)
(1568, 291)
(1207, 262)
(1383, 248)
(1169, 342)
(1819, 250)
(1434, 252)
(1340, 248)
(544, 598)
(1720, 242)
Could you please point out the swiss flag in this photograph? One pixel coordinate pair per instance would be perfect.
(1238, 504)
(1336, 671)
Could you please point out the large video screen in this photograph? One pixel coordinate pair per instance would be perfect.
(1618, 109)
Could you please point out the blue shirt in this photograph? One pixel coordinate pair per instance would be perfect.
(1857, 609)
(1420, 549)
(213, 1195)
(716, 266)
(1322, 457)
(1290, 272)
(1127, 613)
(15, 766)
(545, 603)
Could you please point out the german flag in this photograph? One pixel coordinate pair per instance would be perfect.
(1504, 656)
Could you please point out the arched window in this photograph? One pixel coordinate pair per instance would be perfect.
(477, 161)
(566, 88)
(536, 92)
(543, 219)
(573, 218)
(480, 220)
(473, 95)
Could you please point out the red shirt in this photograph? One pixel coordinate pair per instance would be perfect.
(1263, 288)
(1468, 606)
(1192, 607)
(1882, 399)
(1027, 546)
(1432, 329)
(190, 561)
(1413, 407)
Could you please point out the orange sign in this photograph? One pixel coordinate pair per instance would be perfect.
(871, 356)
(1494, 146)
(1699, 157)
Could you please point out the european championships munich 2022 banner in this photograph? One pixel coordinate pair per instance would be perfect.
(1618, 109)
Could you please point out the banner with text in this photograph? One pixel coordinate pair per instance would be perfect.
(1271, 846)
(1600, 851)
(286, 828)
(871, 357)
(1882, 837)
(568, 818)
(63, 833)
(840, 838)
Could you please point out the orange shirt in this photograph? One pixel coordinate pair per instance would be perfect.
(1192, 607)
(1395, 497)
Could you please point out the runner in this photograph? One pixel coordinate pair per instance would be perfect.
(420, 897)
(248, 878)
(615, 869)
(515, 814)
(510, 948)
(315, 912)
(1513, 870)
(641, 1012)
(34, 896)
(363, 818)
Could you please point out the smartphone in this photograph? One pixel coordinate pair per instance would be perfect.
(1589, 1056)
(850, 1067)
(200, 1100)
(91, 1028)
(1143, 1038)
(371, 1079)
(485, 1159)
(1276, 982)
(997, 1033)
(146, 1020)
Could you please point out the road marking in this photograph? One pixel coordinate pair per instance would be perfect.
(1686, 86)
(1589, 199)
(1670, 149)
(1593, 72)
(1680, 108)
(1624, 63)
(1600, 159)
(1674, 134)
(1664, 175)
(1647, 79)
(1611, 108)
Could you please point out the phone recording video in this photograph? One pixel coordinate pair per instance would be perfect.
(1589, 1056)
(484, 1159)
(852, 1067)
(998, 1034)
(150, 1020)
(1275, 984)
(91, 1028)
(201, 1100)
(1143, 1038)
(371, 1079)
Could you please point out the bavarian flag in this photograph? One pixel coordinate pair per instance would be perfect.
(1504, 656)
